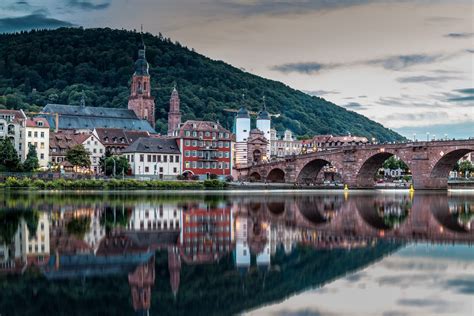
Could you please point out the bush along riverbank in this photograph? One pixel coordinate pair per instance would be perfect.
(129, 184)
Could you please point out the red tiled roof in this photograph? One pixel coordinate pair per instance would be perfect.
(34, 122)
(18, 115)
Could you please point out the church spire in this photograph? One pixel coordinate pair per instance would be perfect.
(174, 114)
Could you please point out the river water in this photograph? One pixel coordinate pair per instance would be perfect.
(237, 252)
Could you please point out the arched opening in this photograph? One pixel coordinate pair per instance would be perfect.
(255, 177)
(455, 213)
(318, 209)
(255, 206)
(188, 175)
(276, 176)
(276, 207)
(452, 165)
(309, 173)
(257, 156)
(384, 169)
(384, 213)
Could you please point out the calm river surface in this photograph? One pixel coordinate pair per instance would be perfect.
(237, 252)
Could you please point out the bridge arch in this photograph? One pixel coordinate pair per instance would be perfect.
(318, 210)
(255, 177)
(367, 171)
(384, 213)
(276, 175)
(447, 161)
(309, 173)
(276, 207)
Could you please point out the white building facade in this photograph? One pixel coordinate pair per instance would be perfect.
(158, 158)
(242, 132)
(36, 133)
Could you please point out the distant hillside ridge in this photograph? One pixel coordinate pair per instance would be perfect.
(54, 66)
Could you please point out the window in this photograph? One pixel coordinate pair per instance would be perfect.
(159, 158)
(165, 158)
(29, 133)
(187, 142)
(176, 158)
(175, 170)
(171, 158)
(194, 143)
(42, 145)
(148, 158)
(154, 158)
(142, 158)
(187, 133)
(36, 134)
(193, 163)
(42, 134)
(161, 169)
(187, 164)
(147, 169)
(187, 153)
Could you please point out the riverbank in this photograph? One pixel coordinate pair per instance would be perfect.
(129, 184)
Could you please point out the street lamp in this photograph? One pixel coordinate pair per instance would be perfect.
(427, 136)
(414, 137)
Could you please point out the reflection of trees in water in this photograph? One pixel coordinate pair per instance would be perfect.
(394, 213)
(463, 213)
(79, 226)
(113, 217)
(10, 220)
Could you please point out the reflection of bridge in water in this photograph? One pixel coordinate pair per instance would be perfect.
(401, 217)
(429, 163)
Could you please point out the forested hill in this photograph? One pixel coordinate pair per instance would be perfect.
(54, 66)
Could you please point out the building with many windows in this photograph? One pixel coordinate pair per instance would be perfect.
(117, 139)
(12, 126)
(206, 149)
(62, 141)
(36, 133)
(284, 145)
(154, 157)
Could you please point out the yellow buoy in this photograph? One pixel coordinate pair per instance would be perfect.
(346, 187)
(412, 189)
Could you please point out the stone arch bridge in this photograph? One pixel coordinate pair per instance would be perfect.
(429, 163)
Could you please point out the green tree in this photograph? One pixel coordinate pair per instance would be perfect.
(8, 156)
(31, 162)
(78, 156)
(465, 166)
(79, 226)
(121, 165)
(394, 163)
(102, 163)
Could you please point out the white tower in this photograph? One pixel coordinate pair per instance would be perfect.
(242, 125)
(241, 131)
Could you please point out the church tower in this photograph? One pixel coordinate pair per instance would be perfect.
(174, 115)
(140, 101)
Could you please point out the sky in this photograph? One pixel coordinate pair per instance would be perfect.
(408, 64)
(420, 280)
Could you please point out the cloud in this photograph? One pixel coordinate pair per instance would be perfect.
(436, 305)
(271, 7)
(462, 95)
(470, 51)
(302, 312)
(318, 93)
(398, 62)
(36, 20)
(460, 35)
(463, 286)
(426, 79)
(304, 67)
(88, 5)
(354, 106)
(404, 61)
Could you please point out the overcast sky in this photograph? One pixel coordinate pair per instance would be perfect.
(406, 64)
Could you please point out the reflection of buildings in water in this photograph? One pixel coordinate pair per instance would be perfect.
(33, 248)
(206, 234)
(141, 280)
(157, 217)
(463, 212)
(87, 240)
(252, 238)
(285, 236)
(174, 267)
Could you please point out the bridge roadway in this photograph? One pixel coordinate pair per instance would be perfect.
(429, 163)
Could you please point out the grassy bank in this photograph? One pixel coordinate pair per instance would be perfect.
(129, 184)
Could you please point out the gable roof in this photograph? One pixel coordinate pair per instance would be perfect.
(153, 145)
(88, 117)
(107, 136)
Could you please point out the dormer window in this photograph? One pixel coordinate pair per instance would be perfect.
(40, 123)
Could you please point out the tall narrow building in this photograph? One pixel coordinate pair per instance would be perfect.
(174, 115)
(264, 125)
(140, 100)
